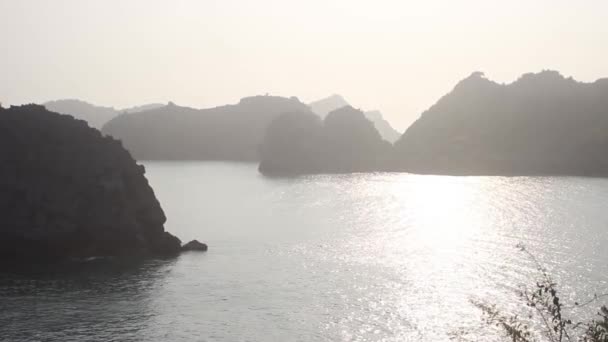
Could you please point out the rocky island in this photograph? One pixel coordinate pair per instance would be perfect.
(66, 191)
(301, 143)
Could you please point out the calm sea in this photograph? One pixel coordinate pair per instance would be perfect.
(361, 257)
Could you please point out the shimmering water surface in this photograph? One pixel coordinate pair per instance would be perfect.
(362, 257)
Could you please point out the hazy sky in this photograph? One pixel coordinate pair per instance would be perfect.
(395, 56)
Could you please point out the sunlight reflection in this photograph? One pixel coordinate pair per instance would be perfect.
(430, 250)
(448, 209)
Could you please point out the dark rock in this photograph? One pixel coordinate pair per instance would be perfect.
(66, 191)
(194, 245)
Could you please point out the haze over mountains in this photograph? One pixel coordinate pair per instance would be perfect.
(543, 123)
(230, 132)
(96, 116)
(345, 141)
(324, 106)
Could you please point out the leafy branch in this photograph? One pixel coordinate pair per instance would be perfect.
(547, 308)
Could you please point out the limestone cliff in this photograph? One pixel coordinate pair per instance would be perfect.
(67, 191)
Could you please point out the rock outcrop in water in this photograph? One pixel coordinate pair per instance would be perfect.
(194, 246)
(232, 132)
(67, 191)
(541, 124)
(300, 143)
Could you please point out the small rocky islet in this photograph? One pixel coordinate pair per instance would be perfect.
(67, 191)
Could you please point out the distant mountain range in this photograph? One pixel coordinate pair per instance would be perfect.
(171, 132)
(387, 132)
(230, 132)
(541, 124)
(324, 106)
(96, 116)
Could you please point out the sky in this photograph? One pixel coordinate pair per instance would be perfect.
(398, 57)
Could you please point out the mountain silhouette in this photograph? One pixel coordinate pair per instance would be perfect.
(385, 129)
(95, 116)
(325, 106)
(141, 108)
(231, 132)
(300, 143)
(543, 123)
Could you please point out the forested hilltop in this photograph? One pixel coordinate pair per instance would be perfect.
(541, 124)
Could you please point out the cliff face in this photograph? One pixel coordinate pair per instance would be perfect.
(232, 132)
(300, 143)
(66, 191)
(540, 124)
